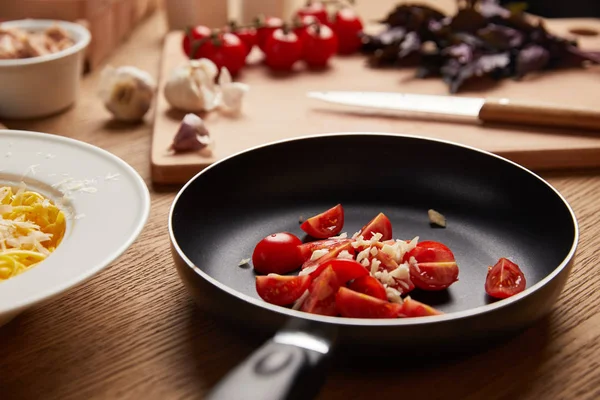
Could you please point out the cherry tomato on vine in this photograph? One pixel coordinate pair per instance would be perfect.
(192, 40)
(248, 36)
(266, 29)
(319, 43)
(315, 9)
(347, 26)
(226, 50)
(282, 50)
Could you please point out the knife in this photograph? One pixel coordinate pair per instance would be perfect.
(485, 110)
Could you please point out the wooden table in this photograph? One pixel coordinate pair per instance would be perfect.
(133, 332)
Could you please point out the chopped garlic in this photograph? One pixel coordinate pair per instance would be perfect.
(344, 254)
(393, 295)
(318, 254)
(376, 238)
(436, 218)
(401, 273)
(232, 93)
(300, 300)
(375, 263)
(341, 236)
(365, 262)
(356, 235)
(244, 261)
(363, 254)
(384, 277)
(374, 251)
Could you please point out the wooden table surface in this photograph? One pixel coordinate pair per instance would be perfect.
(133, 332)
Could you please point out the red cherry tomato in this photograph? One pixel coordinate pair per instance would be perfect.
(314, 9)
(369, 286)
(346, 270)
(414, 308)
(282, 50)
(353, 304)
(348, 27)
(306, 249)
(277, 253)
(326, 224)
(319, 43)
(226, 50)
(266, 29)
(436, 267)
(322, 291)
(403, 285)
(192, 41)
(379, 224)
(281, 290)
(333, 253)
(248, 36)
(302, 23)
(504, 279)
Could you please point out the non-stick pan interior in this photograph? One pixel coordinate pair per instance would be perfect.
(494, 208)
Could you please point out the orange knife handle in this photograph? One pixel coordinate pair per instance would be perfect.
(511, 112)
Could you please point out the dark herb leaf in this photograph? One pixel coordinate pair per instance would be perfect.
(531, 58)
(468, 20)
(500, 37)
(410, 44)
(491, 8)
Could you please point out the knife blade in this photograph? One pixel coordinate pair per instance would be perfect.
(485, 110)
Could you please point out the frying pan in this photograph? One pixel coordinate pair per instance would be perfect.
(494, 207)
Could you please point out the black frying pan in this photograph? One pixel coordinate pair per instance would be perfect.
(494, 208)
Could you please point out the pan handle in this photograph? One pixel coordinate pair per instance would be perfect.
(291, 365)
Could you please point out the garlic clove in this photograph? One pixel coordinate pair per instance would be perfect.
(232, 93)
(127, 92)
(191, 86)
(207, 69)
(191, 136)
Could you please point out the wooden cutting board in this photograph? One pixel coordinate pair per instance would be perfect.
(276, 107)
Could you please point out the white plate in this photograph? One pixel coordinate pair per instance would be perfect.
(108, 207)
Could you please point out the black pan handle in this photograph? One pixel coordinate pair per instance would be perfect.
(291, 365)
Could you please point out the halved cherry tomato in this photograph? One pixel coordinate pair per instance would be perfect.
(315, 9)
(306, 249)
(192, 41)
(277, 253)
(436, 267)
(504, 279)
(379, 224)
(353, 304)
(282, 49)
(333, 253)
(369, 286)
(266, 28)
(414, 308)
(328, 223)
(348, 27)
(346, 270)
(322, 291)
(319, 43)
(281, 290)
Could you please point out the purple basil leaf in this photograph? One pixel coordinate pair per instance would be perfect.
(490, 62)
(390, 37)
(500, 37)
(531, 58)
(410, 44)
(468, 20)
(582, 55)
(461, 52)
(491, 8)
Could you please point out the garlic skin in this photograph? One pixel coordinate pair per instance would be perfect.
(232, 93)
(191, 136)
(191, 87)
(126, 92)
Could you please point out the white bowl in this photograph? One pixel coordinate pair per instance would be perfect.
(41, 86)
(109, 206)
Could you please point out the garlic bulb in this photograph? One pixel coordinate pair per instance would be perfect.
(232, 93)
(127, 92)
(191, 136)
(191, 87)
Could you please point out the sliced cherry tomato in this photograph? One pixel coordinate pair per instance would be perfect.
(353, 304)
(379, 224)
(226, 50)
(328, 223)
(248, 36)
(319, 43)
(348, 27)
(369, 286)
(436, 267)
(322, 291)
(306, 249)
(265, 30)
(414, 308)
(281, 290)
(504, 279)
(193, 41)
(346, 270)
(277, 253)
(315, 9)
(333, 253)
(282, 50)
